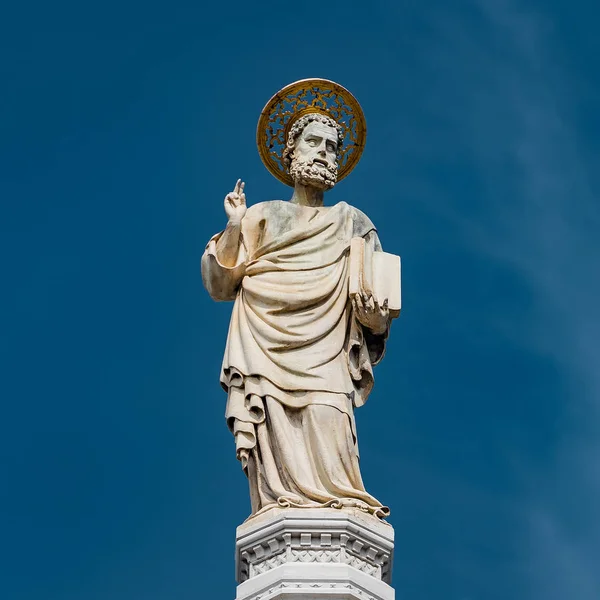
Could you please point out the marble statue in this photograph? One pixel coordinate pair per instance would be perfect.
(300, 349)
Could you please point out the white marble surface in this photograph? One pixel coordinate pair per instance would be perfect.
(315, 582)
(309, 554)
(300, 351)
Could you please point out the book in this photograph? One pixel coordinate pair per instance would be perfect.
(376, 273)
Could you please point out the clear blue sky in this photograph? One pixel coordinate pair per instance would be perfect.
(123, 125)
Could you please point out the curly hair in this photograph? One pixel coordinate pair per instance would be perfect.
(299, 126)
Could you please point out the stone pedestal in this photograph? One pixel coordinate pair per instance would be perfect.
(314, 554)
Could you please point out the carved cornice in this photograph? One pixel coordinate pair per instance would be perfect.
(346, 540)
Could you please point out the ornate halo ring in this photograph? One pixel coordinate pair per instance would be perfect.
(298, 99)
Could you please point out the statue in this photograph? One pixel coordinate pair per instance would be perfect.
(308, 323)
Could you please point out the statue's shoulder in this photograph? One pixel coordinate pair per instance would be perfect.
(266, 208)
(362, 223)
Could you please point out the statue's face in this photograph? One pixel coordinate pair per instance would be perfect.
(314, 161)
(317, 144)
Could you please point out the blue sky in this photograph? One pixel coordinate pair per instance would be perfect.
(123, 125)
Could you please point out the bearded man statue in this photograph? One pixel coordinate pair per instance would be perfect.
(300, 352)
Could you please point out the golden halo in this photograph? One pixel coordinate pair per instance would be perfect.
(298, 99)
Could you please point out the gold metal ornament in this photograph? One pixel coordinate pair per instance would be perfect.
(298, 99)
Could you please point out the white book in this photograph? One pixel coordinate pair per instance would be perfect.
(376, 273)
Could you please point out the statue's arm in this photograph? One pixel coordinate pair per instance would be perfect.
(224, 259)
(224, 263)
(229, 243)
(367, 344)
(376, 336)
(372, 239)
(372, 311)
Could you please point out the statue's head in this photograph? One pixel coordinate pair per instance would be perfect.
(312, 150)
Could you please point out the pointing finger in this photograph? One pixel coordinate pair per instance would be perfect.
(241, 190)
(236, 189)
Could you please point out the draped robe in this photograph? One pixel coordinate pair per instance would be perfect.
(297, 361)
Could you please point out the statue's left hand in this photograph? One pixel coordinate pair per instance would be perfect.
(370, 313)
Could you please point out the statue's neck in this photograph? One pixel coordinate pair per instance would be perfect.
(307, 196)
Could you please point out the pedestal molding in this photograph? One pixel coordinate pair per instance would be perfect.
(344, 555)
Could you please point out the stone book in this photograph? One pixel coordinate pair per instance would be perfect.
(376, 273)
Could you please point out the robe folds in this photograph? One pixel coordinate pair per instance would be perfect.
(297, 361)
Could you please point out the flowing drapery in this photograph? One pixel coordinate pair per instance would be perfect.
(297, 361)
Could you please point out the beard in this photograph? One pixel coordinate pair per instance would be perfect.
(313, 174)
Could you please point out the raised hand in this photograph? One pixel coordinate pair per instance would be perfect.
(370, 313)
(235, 203)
